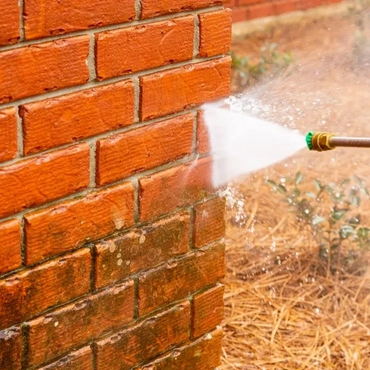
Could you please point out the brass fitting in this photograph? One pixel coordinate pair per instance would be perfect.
(321, 141)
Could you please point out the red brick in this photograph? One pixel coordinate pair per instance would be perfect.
(306, 4)
(239, 14)
(144, 148)
(209, 223)
(62, 120)
(142, 47)
(44, 178)
(184, 87)
(260, 10)
(285, 6)
(70, 224)
(154, 8)
(9, 22)
(203, 144)
(29, 293)
(36, 69)
(215, 33)
(248, 2)
(78, 360)
(80, 322)
(143, 342)
(180, 278)
(10, 349)
(142, 249)
(177, 187)
(54, 17)
(203, 354)
(8, 134)
(10, 246)
(208, 310)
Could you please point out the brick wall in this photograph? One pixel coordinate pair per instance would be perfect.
(243, 10)
(111, 247)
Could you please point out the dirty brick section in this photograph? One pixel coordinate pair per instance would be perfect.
(111, 244)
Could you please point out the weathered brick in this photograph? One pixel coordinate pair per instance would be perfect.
(142, 249)
(62, 120)
(177, 187)
(203, 143)
(208, 310)
(239, 14)
(79, 322)
(306, 4)
(249, 2)
(53, 17)
(260, 10)
(154, 8)
(37, 69)
(144, 148)
(8, 134)
(9, 22)
(155, 335)
(77, 360)
(35, 181)
(215, 33)
(203, 354)
(180, 278)
(10, 349)
(29, 293)
(10, 246)
(192, 85)
(285, 6)
(147, 46)
(70, 224)
(209, 223)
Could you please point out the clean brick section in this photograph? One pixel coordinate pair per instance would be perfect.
(125, 154)
(37, 69)
(80, 322)
(203, 354)
(10, 349)
(28, 293)
(209, 224)
(9, 22)
(41, 179)
(68, 118)
(47, 18)
(142, 249)
(191, 85)
(159, 333)
(161, 43)
(154, 8)
(208, 310)
(177, 187)
(67, 225)
(8, 134)
(179, 278)
(78, 360)
(10, 246)
(215, 33)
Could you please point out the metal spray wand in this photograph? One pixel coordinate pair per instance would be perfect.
(322, 141)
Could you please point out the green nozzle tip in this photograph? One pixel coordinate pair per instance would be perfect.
(309, 139)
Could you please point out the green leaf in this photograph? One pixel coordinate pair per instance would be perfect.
(337, 216)
(296, 193)
(281, 189)
(298, 178)
(311, 194)
(317, 219)
(345, 182)
(363, 232)
(272, 183)
(356, 201)
(358, 180)
(354, 220)
(346, 231)
(334, 246)
(318, 184)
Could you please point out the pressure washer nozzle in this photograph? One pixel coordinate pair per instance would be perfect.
(320, 141)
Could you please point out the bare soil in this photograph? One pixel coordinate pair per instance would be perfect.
(280, 314)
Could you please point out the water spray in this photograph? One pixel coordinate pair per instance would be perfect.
(323, 141)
